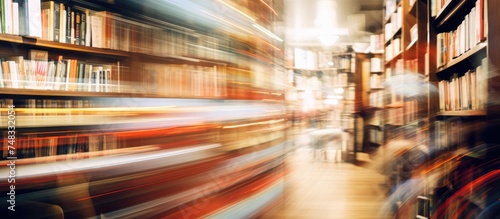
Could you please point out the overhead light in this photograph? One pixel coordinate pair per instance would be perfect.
(328, 39)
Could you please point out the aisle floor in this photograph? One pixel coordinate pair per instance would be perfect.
(319, 188)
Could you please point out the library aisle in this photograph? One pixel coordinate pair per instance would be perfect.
(319, 188)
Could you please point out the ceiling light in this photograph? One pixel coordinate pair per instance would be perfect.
(328, 40)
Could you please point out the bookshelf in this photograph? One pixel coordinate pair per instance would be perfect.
(447, 45)
(362, 77)
(374, 87)
(115, 93)
(408, 90)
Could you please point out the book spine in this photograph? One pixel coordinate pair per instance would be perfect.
(77, 26)
(57, 22)
(83, 28)
(2, 17)
(68, 23)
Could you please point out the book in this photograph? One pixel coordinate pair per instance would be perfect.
(47, 8)
(77, 27)
(7, 15)
(57, 22)
(39, 55)
(19, 65)
(62, 25)
(69, 12)
(15, 18)
(96, 30)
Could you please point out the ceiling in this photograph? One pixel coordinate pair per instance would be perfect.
(351, 20)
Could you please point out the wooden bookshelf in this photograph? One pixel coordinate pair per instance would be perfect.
(45, 44)
(158, 87)
(446, 125)
(476, 53)
(463, 113)
(451, 13)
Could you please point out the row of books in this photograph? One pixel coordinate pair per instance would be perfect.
(345, 63)
(45, 104)
(375, 136)
(437, 6)
(391, 6)
(401, 66)
(395, 23)
(449, 134)
(63, 74)
(376, 99)
(464, 92)
(376, 81)
(468, 34)
(376, 65)
(350, 94)
(347, 122)
(395, 116)
(393, 49)
(184, 80)
(65, 23)
(31, 146)
(377, 43)
(377, 118)
(410, 111)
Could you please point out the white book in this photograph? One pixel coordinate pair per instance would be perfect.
(14, 74)
(15, 18)
(96, 31)
(57, 75)
(8, 16)
(34, 18)
(88, 77)
(51, 69)
(62, 24)
(67, 75)
(1, 75)
(88, 29)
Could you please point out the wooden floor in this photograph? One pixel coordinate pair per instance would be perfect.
(318, 188)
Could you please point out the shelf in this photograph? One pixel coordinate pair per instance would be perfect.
(463, 113)
(59, 93)
(452, 14)
(388, 18)
(61, 46)
(398, 31)
(376, 88)
(42, 94)
(412, 45)
(394, 105)
(372, 108)
(378, 127)
(395, 58)
(468, 56)
(391, 124)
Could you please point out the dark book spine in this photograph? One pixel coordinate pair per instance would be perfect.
(68, 23)
(94, 80)
(77, 27)
(81, 73)
(57, 20)
(23, 17)
(83, 28)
